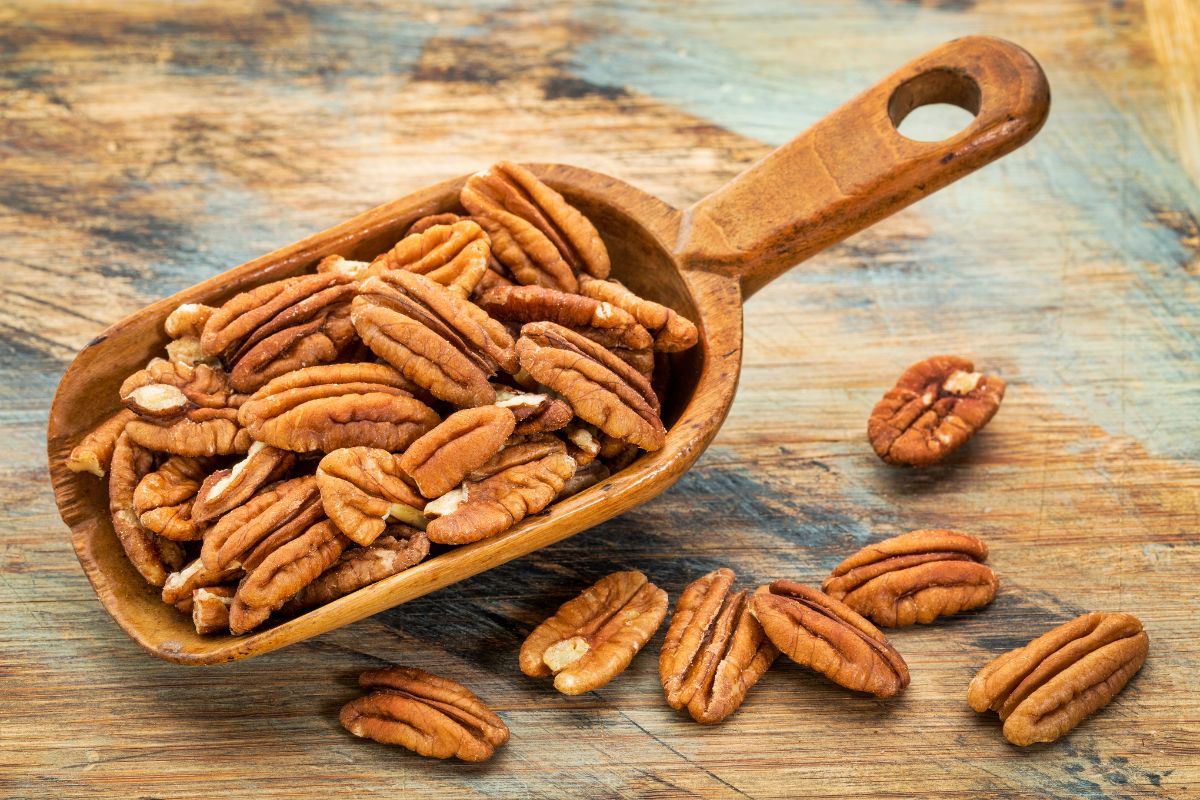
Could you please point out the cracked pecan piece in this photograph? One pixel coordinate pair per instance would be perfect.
(164, 498)
(715, 649)
(95, 450)
(584, 442)
(915, 577)
(399, 548)
(179, 587)
(535, 412)
(520, 480)
(226, 489)
(934, 408)
(273, 517)
(585, 477)
(187, 320)
(600, 321)
(343, 266)
(672, 331)
(167, 389)
(152, 556)
(283, 573)
(599, 387)
(1046, 688)
(361, 487)
(210, 608)
(537, 234)
(200, 432)
(816, 631)
(332, 406)
(454, 255)
(592, 638)
(429, 715)
(463, 442)
(438, 340)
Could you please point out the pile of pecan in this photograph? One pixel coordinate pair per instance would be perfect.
(319, 433)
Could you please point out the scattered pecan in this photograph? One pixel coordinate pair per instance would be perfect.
(671, 330)
(534, 412)
(715, 649)
(337, 405)
(438, 340)
(592, 638)
(210, 608)
(166, 389)
(464, 441)
(935, 407)
(226, 489)
(361, 487)
(598, 320)
(95, 451)
(343, 266)
(429, 715)
(179, 586)
(153, 557)
(816, 631)
(520, 480)
(283, 573)
(600, 388)
(399, 548)
(199, 432)
(187, 320)
(273, 517)
(1046, 688)
(454, 255)
(163, 499)
(585, 477)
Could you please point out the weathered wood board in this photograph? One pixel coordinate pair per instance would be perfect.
(144, 146)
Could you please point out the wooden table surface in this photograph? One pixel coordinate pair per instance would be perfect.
(144, 146)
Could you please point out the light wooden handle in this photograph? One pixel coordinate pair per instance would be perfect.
(853, 167)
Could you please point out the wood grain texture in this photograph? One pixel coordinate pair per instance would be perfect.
(147, 148)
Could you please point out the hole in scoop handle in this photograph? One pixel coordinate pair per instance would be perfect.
(853, 167)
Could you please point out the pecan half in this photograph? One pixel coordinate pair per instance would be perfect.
(164, 498)
(179, 586)
(715, 649)
(95, 450)
(337, 405)
(672, 331)
(167, 389)
(210, 608)
(816, 631)
(438, 340)
(273, 517)
(425, 223)
(226, 489)
(598, 320)
(429, 715)
(361, 487)
(602, 389)
(935, 407)
(1046, 688)
(454, 255)
(463, 442)
(398, 549)
(153, 557)
(187, 320)
(199, 432)
(535, 232)
(283, 573)
(592, 638)
(534, 412)
(520, 480)
(915, 577)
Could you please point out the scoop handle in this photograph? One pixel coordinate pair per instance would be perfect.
(853, 167)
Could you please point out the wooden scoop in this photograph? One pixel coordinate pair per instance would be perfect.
(849, 170)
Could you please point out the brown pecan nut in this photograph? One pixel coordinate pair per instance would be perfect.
(463, 442)
(198, 433)
(320, 340)
(179, 586)
(496, 275)
(672, 331)
(592, 638)
(438, 340)
(337, 405)
(598, 320)
(273, 517)
(153, 557)
(166, 389)
(187, 351)
(164, 498)
(600, 388)
(95, 450)
(715, 649)
(534, 412)
(399, 548)
(425, 223)
(226, 489)
(642, 362)
(210, 608)
(816, 631)
(454, 255)
(187, 320)
(362, 487)
(429, 715)
(584, 442)
(585, 477)
(915, 577)
(283, 573)
(520, 480)
(343, 266)
(935, 407)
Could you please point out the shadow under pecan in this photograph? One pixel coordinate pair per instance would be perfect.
(199, 432)
(179, 587)
(167, 389)
(600, 388)
(934, 408)
(463, 442)
(672, 331)
(454, 255)
(429, 715)
(152, 556)
(337, 405)
(602, 322)
(399, 548)
(362, 487)
(438, 340)
(273, 517)
(283, 573)
(1046, 688)
(520, 480)
(210, 608)
(164, 498)
(816, 631)
(715, 649)
(915, 577)
(592, 638)
(226, 489)
(95, 450)
(534, 412)
(537, 234)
